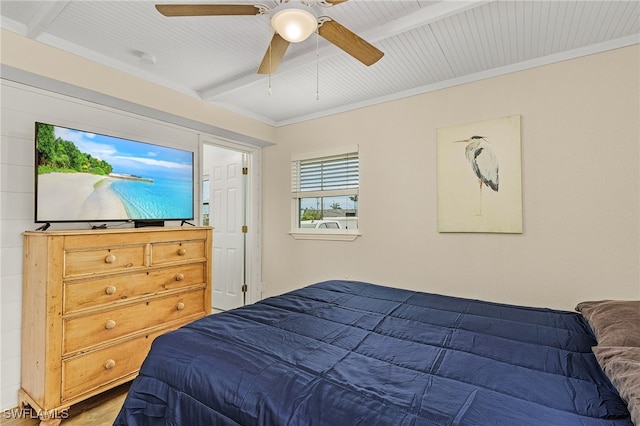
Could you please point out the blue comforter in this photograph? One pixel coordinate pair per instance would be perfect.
(352, 353)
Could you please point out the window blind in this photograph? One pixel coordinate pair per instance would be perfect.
(330, 173)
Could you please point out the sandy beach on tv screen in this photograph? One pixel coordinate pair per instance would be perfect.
(77, 197)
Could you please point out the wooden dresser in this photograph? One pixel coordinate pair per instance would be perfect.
(93, 301)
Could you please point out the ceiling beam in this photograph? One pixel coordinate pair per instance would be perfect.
(421, 17)
(44, 17)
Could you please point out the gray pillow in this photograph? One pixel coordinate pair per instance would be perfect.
(614, 322)
(622, 366)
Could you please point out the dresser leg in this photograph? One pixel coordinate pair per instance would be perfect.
(47, 418)
(50, 422)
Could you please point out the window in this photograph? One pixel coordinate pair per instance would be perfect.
(324, 189)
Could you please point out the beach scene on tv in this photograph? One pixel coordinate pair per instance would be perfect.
(84, 176)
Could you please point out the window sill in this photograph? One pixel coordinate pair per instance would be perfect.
(326, 235)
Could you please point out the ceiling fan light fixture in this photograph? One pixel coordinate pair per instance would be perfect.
(294, 24)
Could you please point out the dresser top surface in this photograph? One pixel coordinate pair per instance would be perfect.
(115, 230)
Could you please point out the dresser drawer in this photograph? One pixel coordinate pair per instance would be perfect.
(177, 251)
(89, 293)
(89, 371)
(100, 260)
(83, 332)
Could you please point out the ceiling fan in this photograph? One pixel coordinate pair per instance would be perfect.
(291, 22)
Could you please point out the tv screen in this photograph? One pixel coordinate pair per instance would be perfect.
(87, 177)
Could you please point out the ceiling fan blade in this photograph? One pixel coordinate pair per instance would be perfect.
(335, 2)
(275, 52)
(348, 41)
(206, 9)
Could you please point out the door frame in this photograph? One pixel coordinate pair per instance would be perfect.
(253, 272)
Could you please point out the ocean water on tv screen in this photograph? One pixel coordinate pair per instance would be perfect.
(161, 199)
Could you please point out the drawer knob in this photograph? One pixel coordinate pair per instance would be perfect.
(182, 251)
(180, 306)
(109, 364)
(110, 325)
(110, 259)
(179, 277)
(110, 290)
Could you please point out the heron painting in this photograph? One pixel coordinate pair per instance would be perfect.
(479, 183)
(484, 163)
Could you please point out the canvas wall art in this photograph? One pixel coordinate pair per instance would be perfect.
(480, 177)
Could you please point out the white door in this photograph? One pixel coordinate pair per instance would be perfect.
(223, 168)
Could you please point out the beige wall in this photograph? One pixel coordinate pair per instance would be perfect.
(581, 191)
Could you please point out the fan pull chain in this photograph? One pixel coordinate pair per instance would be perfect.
(270, 67)
(269, 89)
(317, 67)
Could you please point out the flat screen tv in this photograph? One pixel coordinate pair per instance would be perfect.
(88, 177)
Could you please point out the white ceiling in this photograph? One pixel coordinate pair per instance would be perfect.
(428, 45)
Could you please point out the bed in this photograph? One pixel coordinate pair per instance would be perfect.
(354, 353)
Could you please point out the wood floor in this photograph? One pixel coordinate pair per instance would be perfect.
(100, 410)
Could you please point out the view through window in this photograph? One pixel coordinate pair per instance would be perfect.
(325, 190)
